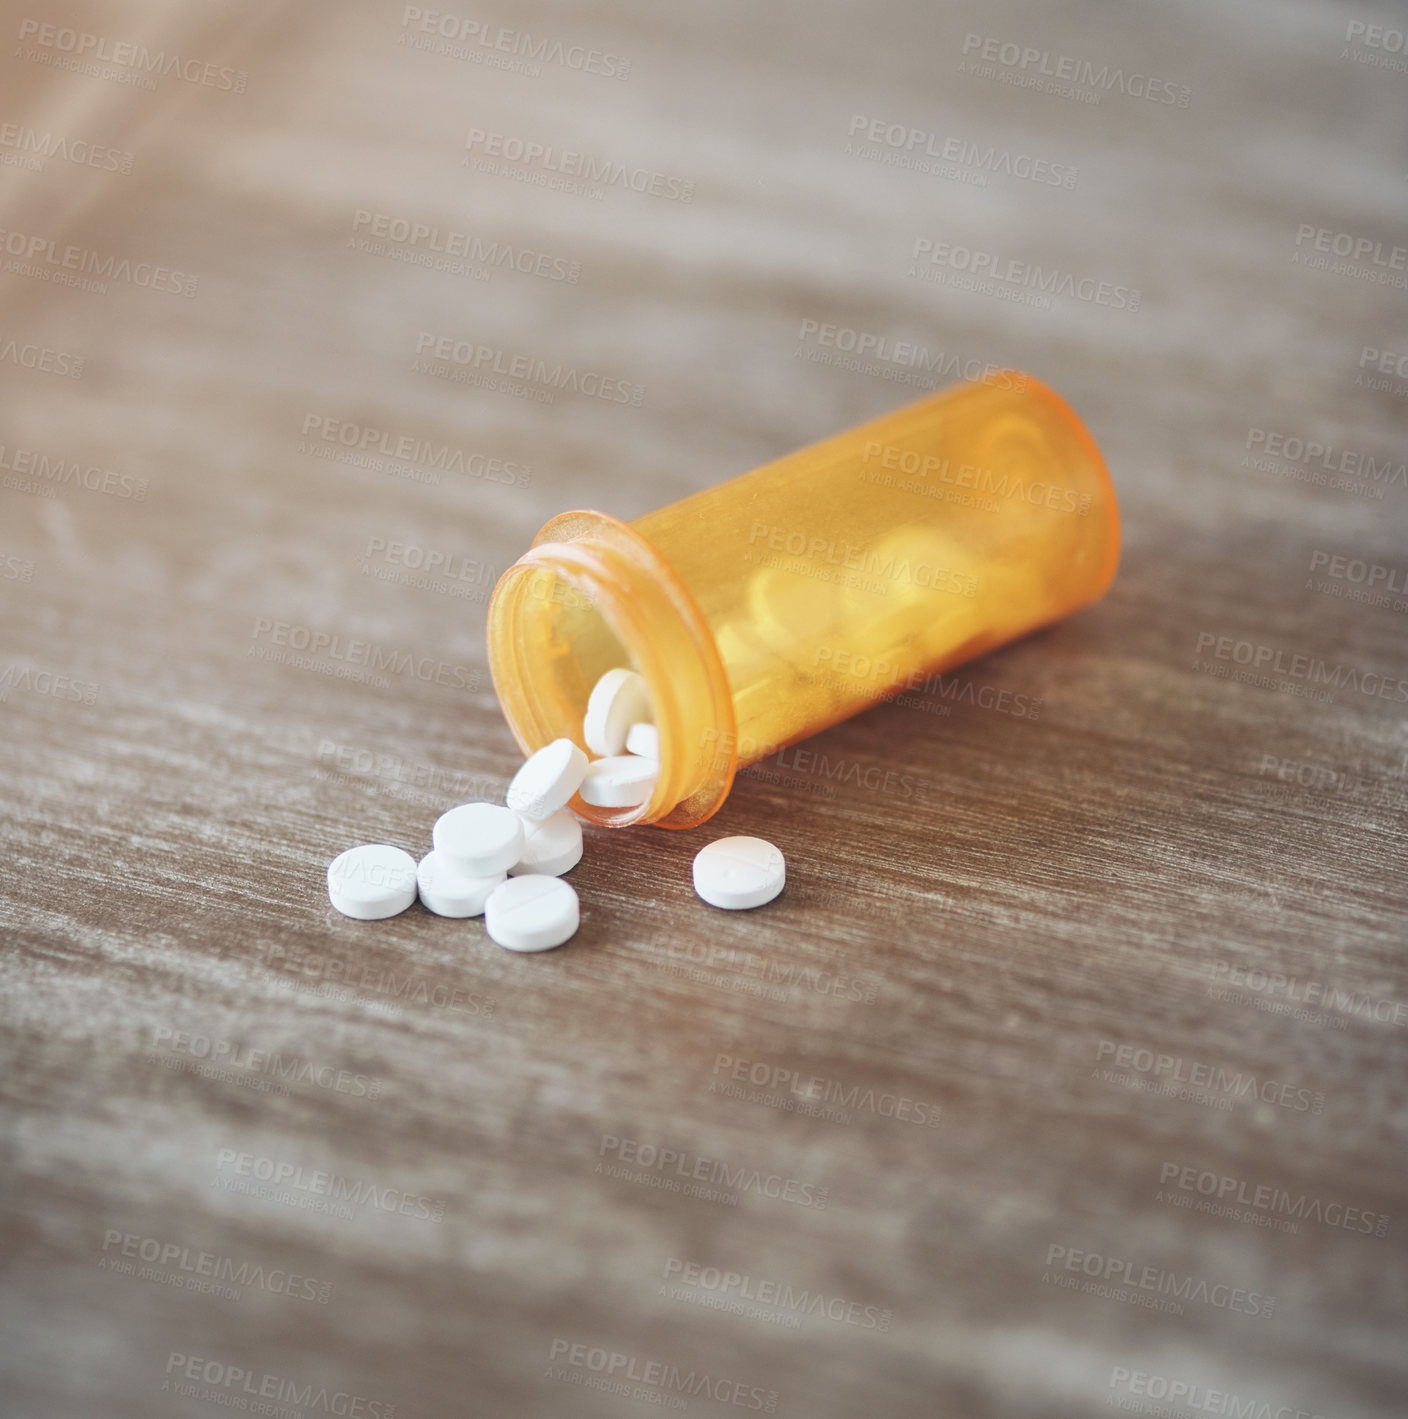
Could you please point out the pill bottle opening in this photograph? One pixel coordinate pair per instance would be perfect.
(591, 594)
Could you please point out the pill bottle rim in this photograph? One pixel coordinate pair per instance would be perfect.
(652, 613)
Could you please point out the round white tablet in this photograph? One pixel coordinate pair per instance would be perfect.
(547, 780)
(622, 781)
(736, 873)
(449, 893)
(532, 913)
(643, 739)
(618, 700)
(372, 881)
(478, 839)
(550, 848)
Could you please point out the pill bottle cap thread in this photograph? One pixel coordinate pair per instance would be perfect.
(590, 590)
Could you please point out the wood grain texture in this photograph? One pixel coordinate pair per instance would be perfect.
(1057, 916)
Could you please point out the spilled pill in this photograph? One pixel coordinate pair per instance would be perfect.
(372, 881)
(506, 864)
(547, 780)
(478, 839)
(550, 848)
(449, 893)
(532, 913)
(738, 873)
(621, 781)
(617, 701)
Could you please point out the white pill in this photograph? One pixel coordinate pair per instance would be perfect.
(643, 739)
(478, 839)
(372, 881)
(547, 780)
(622, 781)
(449, 893)
(618, 700)
(736, 873)
(550, 848)
(533, 913)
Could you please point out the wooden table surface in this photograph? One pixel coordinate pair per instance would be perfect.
(1070, 1079)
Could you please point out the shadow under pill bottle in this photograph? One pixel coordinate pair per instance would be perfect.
(777, 603)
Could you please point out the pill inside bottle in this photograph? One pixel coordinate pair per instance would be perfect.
(776, 603)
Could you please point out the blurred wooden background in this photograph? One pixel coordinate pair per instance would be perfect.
(1132, 952)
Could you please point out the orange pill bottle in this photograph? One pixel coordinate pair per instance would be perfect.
(772, 605)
